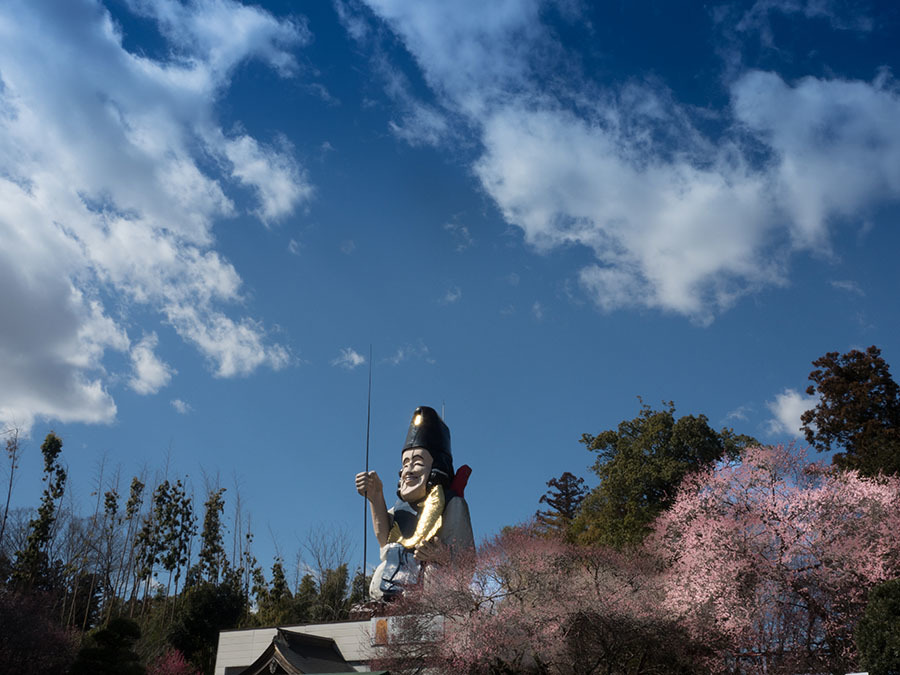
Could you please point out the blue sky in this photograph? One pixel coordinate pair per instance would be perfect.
(534, 212)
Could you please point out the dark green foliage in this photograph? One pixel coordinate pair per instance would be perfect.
(110, 651)
(564, 499)
(332, 603)
(305, 598)
(878, 631)
(34, 569)
(359, 589)
(640, 465)
(858, 411)
(212, 552)
(275, 603)
(207, 609)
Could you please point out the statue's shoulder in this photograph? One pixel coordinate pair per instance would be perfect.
(456, 504)
(456, 530)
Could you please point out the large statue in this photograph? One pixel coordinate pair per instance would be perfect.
(429, 525)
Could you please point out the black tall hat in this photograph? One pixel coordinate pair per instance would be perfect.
(427, 430)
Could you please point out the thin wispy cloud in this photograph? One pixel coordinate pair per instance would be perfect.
(738, 414)
(452, 296)
(418, 351)
(849, 286)
(181, 407)
(461, 236)
(349, 359)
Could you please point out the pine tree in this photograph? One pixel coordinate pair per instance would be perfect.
(564, 499)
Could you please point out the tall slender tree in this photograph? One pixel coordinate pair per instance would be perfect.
(12, 451)
(212, 551)
(32, 563)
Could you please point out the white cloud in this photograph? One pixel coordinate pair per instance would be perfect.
(461, 235)
(353, 23)
(180, 406)
(451, 296)
(349, 359)
(676, 221)
(279, 182)
(840, 15)
(849, 286)
(739, 413)
(537, 310)
(835, 144)
(410, 351)
(106, 192)
(787, 408)
(420, 124)
(294, 247)
(150, 373)
(348, 246)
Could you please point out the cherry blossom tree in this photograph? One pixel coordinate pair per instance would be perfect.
(172, 662)
(539, 605)
(778, 555)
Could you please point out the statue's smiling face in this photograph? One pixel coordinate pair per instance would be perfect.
(414, 474)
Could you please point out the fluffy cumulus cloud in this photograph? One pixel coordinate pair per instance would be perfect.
(676, 221)
(786, 409)
(150, 373)
(108, 194)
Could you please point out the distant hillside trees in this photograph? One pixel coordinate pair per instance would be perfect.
(67, 579)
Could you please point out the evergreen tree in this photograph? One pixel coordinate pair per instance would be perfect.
(110, 651)
(333, 603)
(305, 599)
(212, 551)
(858, 411)
(33, 565)
(640, 465)
(564, 499)
(878, 631)
(207, 609)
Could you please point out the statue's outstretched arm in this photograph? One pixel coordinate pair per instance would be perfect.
(369, 485)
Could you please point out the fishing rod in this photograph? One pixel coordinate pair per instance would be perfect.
(365, 494)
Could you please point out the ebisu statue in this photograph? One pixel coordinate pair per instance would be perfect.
(429, 525)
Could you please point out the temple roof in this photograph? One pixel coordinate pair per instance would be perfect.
(299, 653)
